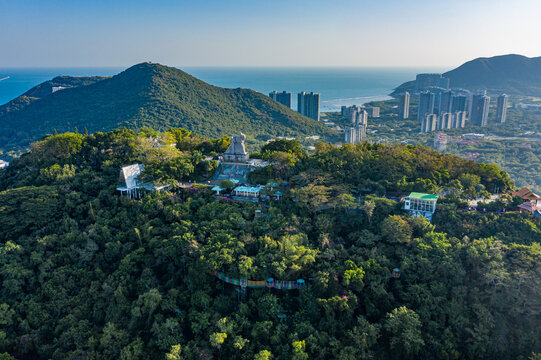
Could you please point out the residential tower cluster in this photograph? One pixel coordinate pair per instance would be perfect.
(307, 102)
(441, 107)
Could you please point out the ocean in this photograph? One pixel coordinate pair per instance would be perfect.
(337, 86)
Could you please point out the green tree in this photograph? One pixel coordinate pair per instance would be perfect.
(404, 328)
(396, 230)
(263, 355)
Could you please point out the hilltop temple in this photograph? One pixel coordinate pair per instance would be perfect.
(236, 152)
(235, 163)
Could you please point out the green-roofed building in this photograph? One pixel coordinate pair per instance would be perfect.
(420, 204)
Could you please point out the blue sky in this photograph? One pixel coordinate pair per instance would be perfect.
(391, 33)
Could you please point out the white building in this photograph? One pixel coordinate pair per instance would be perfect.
(57, 88)
(131, 186)
(420, 204)
(3, 164)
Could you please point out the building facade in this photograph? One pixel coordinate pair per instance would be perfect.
(420, 204)
(357, 133)
(459, 119)
(445, 121)
(446, 102)
(373, 111)
(283, 97)
(308, 104)
(425, 81)
(429, 123)
(459, 103)
(404, 106)
(426, 105)
(501, 109)
(479, 110)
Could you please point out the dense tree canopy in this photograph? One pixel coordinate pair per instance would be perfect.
(88, 274)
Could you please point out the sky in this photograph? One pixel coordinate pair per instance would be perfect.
(341, 33)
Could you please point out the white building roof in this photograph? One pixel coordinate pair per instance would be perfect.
(130, 174)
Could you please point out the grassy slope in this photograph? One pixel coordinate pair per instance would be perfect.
(160, 97)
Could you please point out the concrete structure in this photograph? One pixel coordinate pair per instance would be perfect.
(308, 104)
(3, 164)
(445, 104)
(528, 107)
(426, 105)
(420, 204)
(373, 111)
(459, 119)
(459, 103)
(425, 81)
(404, 106)
(429, 123)
(236, 152)
(283, 97)
(479, 111)
(359, 117)
(349, 111)
(501, 109)
(58, 88)
(445, 121)
(130, 184)
(357, 133)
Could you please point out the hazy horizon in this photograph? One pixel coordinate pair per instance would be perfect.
(241, 33)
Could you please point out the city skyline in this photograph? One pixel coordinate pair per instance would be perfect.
(213, 33)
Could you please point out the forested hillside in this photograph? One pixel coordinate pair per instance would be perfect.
(88, 274)
(511, 74)
(151, 95)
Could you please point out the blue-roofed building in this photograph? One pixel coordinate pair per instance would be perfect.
(247, 193)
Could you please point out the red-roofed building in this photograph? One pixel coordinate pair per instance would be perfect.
(528, 207)
(527, 195)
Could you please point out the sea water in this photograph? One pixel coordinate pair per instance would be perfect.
(336, 86)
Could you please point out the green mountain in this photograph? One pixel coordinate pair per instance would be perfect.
(150, 95)
(512, 74)
(46, 88)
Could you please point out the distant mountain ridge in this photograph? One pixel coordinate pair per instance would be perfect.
(150, 95)
(46, 88)
(512, 74)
